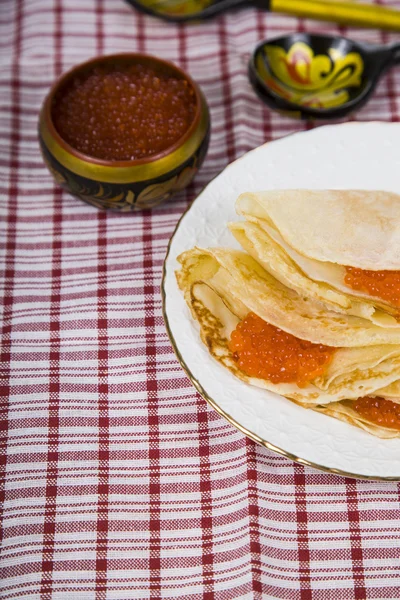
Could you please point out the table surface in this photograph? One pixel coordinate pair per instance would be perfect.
(117, 480)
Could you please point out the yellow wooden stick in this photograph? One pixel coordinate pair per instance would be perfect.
(344, 13)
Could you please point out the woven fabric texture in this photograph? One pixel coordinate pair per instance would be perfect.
(117, 481)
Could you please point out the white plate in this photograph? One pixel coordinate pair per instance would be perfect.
(348, 156)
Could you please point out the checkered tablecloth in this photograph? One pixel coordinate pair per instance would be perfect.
(117, 480)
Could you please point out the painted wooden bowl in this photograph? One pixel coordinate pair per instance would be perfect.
(127, 185)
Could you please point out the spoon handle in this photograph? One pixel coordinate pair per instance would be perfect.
(394, 50)
(345, 13)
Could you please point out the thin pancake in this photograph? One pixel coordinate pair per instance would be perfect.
(353, 372)
(392, 392)
(344, 412)
(356, 228)
(251, 286)
(321, 274)
(288, 267)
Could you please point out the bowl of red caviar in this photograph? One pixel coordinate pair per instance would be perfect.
(124, 132)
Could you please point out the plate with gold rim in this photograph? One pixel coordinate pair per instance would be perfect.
(347, 156)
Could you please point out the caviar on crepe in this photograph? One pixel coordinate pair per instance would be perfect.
(379, 411)
(382, 284)
(265, 351)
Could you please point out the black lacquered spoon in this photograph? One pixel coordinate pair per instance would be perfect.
(318, 76)
(336, 11)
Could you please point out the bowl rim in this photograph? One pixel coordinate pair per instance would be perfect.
(137, 57)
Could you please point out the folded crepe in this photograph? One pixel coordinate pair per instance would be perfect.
(222, 287)
(392, 391)
(339, 247)
(236, 276)
(345, 411)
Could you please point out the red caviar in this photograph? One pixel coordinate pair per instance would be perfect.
(379, 411)
(124, 112)
(382, 284)
(264, 351)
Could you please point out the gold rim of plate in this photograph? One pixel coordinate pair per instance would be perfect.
(214, 404)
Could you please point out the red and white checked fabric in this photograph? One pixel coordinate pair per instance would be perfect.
(117, 479)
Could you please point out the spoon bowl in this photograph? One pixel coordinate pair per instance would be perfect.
(337, 11)
(185, 10)
(318, 76)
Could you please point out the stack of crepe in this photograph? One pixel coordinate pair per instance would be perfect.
(323, 267)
